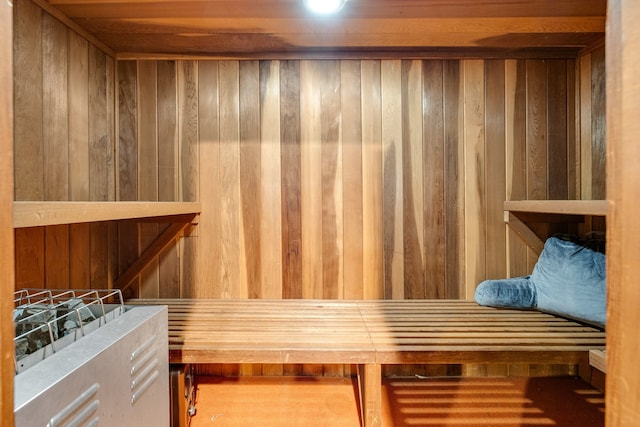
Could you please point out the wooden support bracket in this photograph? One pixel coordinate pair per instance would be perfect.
(149, 254)
(529, 237)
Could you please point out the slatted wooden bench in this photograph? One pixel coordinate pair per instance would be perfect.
(370, 334)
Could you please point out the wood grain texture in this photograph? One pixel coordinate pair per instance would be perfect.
(434, 179)
(229, 179)
(454, 180)
(412, 176)
(376, 27)
(392, 182)
(291, 222)
(78, 99)
(516, 156)
(250, 199)
(372, 193)
(331, 186)
(311, 179)
(313, 138)
(29, 97)
(557, 108)
(7, 255)
(351, 108)
(207, 284)
(623, 128)
(598, 124)
(495, 173)
(474, 174)
(270, 181)
(55, 113)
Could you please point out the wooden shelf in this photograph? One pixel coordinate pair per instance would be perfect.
(566, 207)
(36, 214)
(517, 214)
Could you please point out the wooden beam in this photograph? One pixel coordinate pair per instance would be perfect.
(44, 5)
(7, 267)
(158, 245)
(526, 234)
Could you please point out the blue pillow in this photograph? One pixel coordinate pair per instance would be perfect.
(517, 292)
(569, 279)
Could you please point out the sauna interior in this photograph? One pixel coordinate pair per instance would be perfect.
(357, 157)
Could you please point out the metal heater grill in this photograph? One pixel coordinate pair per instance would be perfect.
(84, 358)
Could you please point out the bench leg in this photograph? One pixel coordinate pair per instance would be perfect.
(370, 387)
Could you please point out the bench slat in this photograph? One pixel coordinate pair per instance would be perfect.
(384, 332)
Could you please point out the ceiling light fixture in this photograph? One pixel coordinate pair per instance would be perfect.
(324, 7)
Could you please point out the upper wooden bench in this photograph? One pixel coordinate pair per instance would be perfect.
(370, 334)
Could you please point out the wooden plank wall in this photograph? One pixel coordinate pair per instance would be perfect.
(6, 220)
(64, 149)
(318, 178)
(326, 179)
(357, 178)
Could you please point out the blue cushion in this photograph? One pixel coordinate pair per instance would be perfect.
(569, 279)
(517, 292)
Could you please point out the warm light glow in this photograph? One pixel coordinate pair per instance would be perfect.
(324, 7)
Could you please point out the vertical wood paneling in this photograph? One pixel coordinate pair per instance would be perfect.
(78, 77)
(585, 128)
(454, 179)
(516, 156)
(188, 155)
(56, 257)
(598, 124)
(229, 179)
(557, 130)
(99, 149)
(28, 102)
(188, 129)
(372, 199)
(326, 179)
(209, 272)
(311, 179)
(352, 178)
(474, 177)
(412, 176)
(148, 166)
(127, 161)
(495, 174)
(168, 169)
(30, 257)
(55, 111)
(79, 254)
(536, 129)
(331, 184)
(270, 181)
(7, 265)
(250, 198)
(434, 179)
(392, 182)
(270, 189)
(291, 223)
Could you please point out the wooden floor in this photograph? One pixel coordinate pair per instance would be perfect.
(309, 402)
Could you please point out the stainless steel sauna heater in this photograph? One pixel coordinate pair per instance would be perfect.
(84, 358)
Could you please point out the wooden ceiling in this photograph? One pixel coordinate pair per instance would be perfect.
(265, 28)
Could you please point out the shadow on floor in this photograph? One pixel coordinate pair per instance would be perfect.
(563, 401)
(332, 402)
